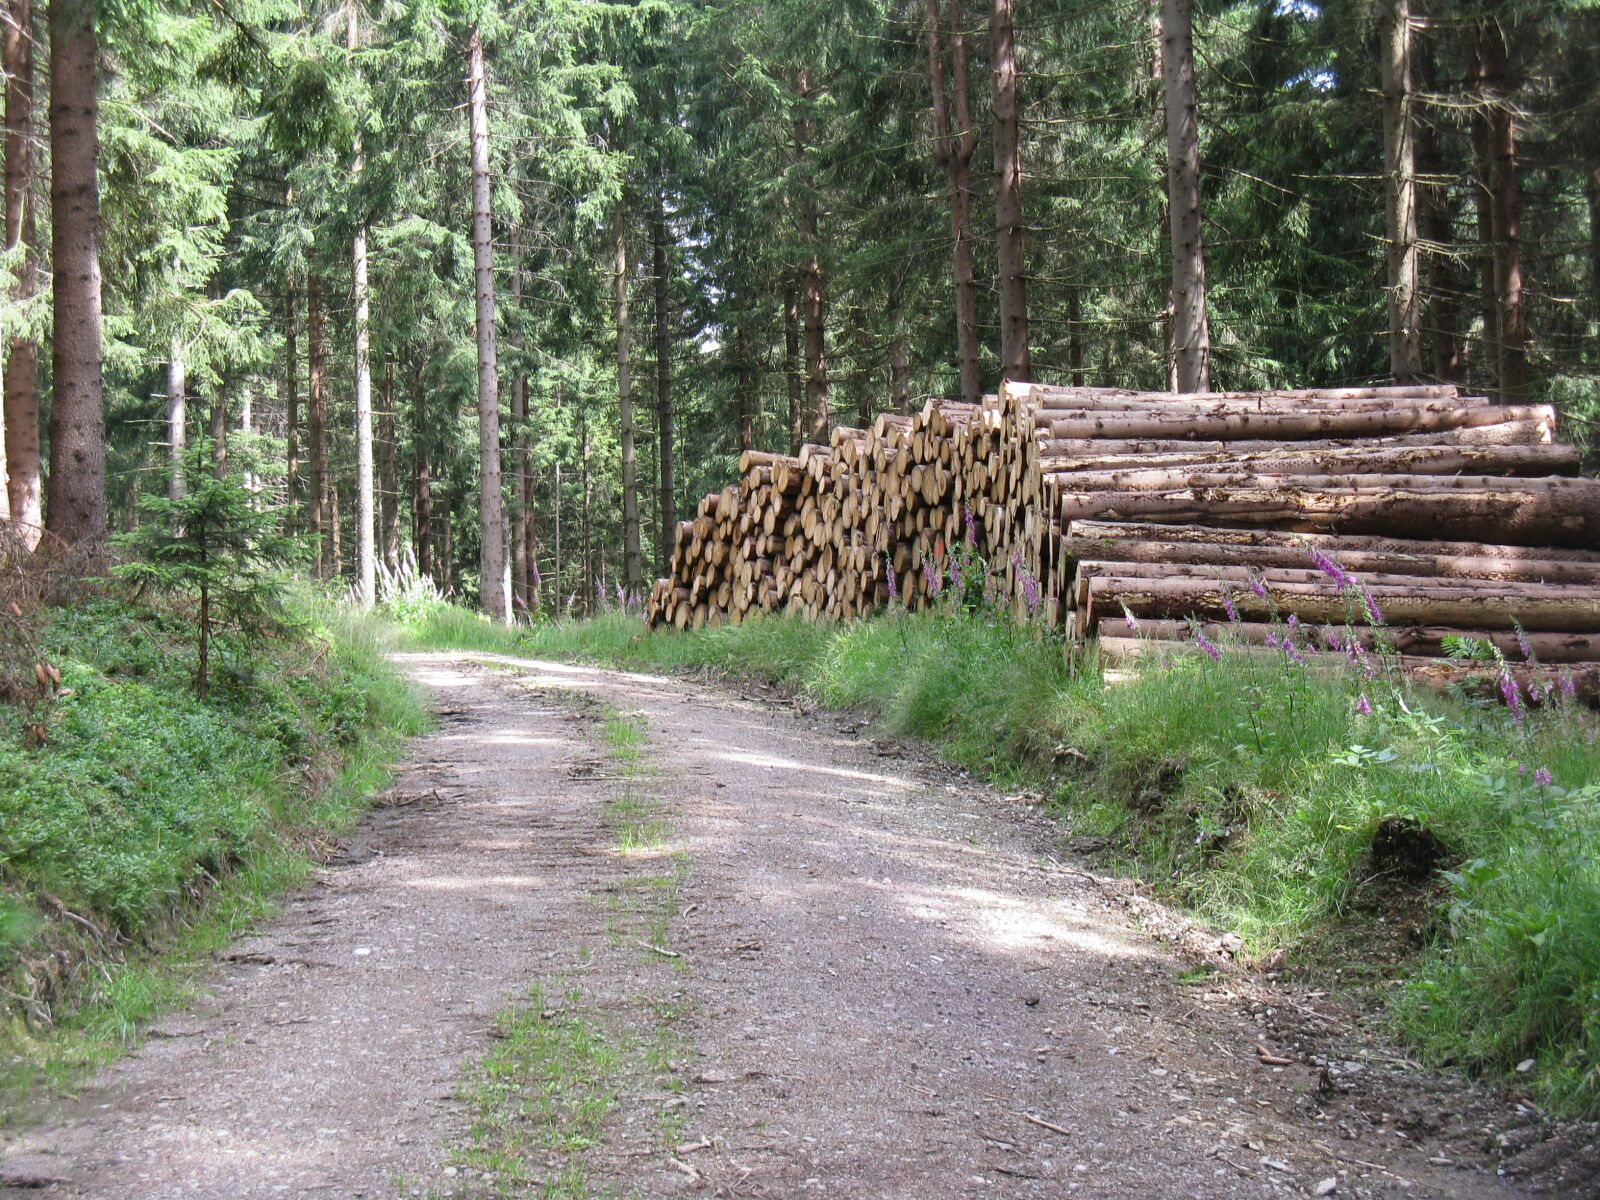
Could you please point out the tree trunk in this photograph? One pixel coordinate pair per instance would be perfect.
(632, 557)
(899, 362)
(490, 511)
(1191, 334)
(20, 471)
(291, 409)
(745, 387)
(1013, 282)
(669, 517)
(954, 151)
(1504, 208)
(794, 379)
(177, 418)
(1594, 244)
(318, 508)
(388, 477)
(1438, 234)
(366, 547)
(1400, 192)
(584, 530)
(813, 297)
(219, 432)
(1488, 307)
(76, 502)
(1075, 335)
(422, 482)
(519, 441)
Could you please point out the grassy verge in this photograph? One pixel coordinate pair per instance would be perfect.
(150, 828)
(542, 1100)
(1311, 813)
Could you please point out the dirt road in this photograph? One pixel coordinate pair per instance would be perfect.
(817, 967)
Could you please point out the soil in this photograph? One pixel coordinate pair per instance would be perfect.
(886, 980)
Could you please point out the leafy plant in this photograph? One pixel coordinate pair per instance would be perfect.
(218, 543)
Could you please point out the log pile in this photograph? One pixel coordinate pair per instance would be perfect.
(1096, 507)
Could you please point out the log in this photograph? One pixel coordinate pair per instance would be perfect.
(1287, 426)
(1536, 607)
(1288, 459)
(1421, 640)
(1555, 512)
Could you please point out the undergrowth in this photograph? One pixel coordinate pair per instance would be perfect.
(1306, 810)
(151, 826)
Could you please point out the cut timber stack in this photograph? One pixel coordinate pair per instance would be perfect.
(1096, 507)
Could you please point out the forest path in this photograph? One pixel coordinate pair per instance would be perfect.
(873, 979)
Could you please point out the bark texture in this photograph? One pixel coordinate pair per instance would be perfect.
(953, 148)
(1013, 283)
(177, 418)
(663, 316)
(20, 471)
(318, 508)
(76, 498)
(1504, 208)
(813, 295)
(1400, 192)
(491, 514)
(1436, 208)
(1191, 334)
(633, 559)
(366, 515)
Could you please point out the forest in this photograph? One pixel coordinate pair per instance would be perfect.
(552, 267)
(1036, 524)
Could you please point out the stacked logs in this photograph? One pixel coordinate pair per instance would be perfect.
(1098, 506)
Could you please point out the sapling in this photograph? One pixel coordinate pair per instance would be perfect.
(219, 544)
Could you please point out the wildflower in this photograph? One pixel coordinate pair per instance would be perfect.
(931, 578)
(972, 529)
(1543, 777)
(1569, 689)
(1332, 640)
(1127, 615)
(1373, 613)
(956, 579)
(1363, 706)
(1228, 606)
(894, 584)
(1523, 646)
(1336, 573)
(622, 598)
(1292, 654)
(1273, 642)
(1258, 586)
(1511, 694)
(1206, 644)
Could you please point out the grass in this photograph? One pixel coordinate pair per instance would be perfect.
(151, 828)
(1297, 808)
(541, 1099)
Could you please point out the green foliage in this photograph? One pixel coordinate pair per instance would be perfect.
(146, 805)
(219, 544)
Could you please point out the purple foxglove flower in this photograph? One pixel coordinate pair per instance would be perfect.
(972, 529)
(1294, 623)
(1272, 641)
(894, 584)
(1569, 689)
(1206, 644)
(1127, 615)
(1524, 647)
(1331, 569)
(1258, 586)
(1228, 606)
(1373, 614)
(1543, 777)
(1511, 694)
(1362, 705)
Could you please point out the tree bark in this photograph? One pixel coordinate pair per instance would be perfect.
(632, 557)
(794, 380)
(1191, 334)
(1013, 283)
(1504, 208)
(219, 432)
(1437, 215)
(954, 150)
(366, 548)
(76, 500)
(422, 482)
(1400, 192)
(1594, 244)
(318, 509)
(177, 418)
(291, 409)
(745, 387)
(813, 296)
(490, 509)
(388, 477)
(21, 471)
(663, 316)
(520, 515)
(1489, 308)
(1075, 335)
